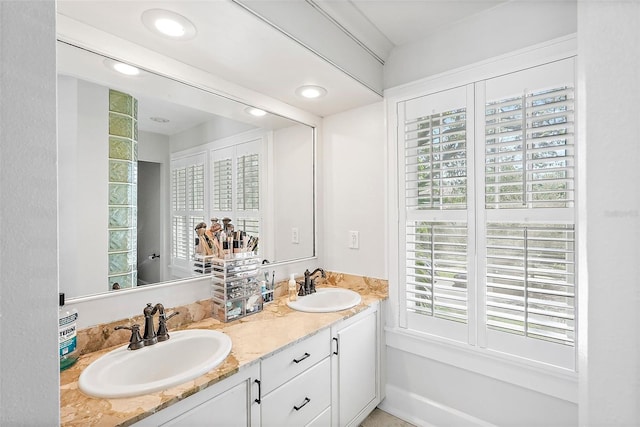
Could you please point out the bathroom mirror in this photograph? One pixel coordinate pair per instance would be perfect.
(123, 210)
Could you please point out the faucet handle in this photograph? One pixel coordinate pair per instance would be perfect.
(135, 342)
(302, 290)
(163, 333)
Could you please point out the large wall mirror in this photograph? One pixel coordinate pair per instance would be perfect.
(144, 159)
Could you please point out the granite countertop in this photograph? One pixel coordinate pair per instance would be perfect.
(253, 338)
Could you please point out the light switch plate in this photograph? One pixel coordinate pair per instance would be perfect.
(354, 240)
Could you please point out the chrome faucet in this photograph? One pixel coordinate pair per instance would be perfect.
(309, 285)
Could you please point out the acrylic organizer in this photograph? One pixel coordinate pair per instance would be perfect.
(236, 285)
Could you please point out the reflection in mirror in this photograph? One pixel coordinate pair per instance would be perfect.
(143, 159)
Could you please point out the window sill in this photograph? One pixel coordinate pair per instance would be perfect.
(542, 378)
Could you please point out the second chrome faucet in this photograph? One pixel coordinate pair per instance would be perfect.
(150, 336)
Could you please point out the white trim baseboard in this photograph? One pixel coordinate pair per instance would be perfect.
(423, 412)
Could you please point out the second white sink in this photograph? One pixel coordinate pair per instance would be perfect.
(185, 356)
(326, 300)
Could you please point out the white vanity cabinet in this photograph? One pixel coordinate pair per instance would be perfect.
(356, 356)
(330, 378)
(296, 384)
(231, 402)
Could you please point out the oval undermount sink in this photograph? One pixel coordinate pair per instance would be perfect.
(326, 300)
(185, 356)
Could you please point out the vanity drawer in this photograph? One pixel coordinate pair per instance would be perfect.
(322, 420)
(301, 400)
(293, 360)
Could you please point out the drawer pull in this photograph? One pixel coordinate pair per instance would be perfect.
(306, 400)
(259, 399)
(302, 358)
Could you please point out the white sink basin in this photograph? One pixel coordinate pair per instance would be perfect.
(185, 356)
(326, 300)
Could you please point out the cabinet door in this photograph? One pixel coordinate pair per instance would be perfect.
(226, 409)
(356, 368)
(230, 402)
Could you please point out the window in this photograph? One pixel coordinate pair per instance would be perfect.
(217, 182)
(487, 214)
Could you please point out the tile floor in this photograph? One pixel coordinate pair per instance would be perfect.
(379, 418)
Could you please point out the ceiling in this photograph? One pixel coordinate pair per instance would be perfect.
(238, 46)
(385, 24)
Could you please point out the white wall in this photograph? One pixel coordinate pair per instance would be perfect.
(608, 63)
(437, 393)
(497, 31)
(292, 192)
(354, 191)
(83, 151)
(29, 363)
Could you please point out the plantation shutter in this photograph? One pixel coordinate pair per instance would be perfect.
(222, 184)
(531, 280)
(530, 150)
(436, 269)
(248, 175)
(434, 157)
(527, 250)
(187, 204)
(236, 185)
(179, 247)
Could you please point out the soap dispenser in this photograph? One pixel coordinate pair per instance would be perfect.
(293, 291)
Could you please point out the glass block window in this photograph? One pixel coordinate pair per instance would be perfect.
(123, 182)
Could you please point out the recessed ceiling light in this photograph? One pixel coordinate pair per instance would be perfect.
(126, 69)
(122, 68)
(255, 111)
(159, 119)
(169, 24)
(311, 91)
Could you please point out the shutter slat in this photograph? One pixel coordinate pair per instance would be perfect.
(547, 157)
(222, 185)
(435, 161)
(542, 279)
(436, 267)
